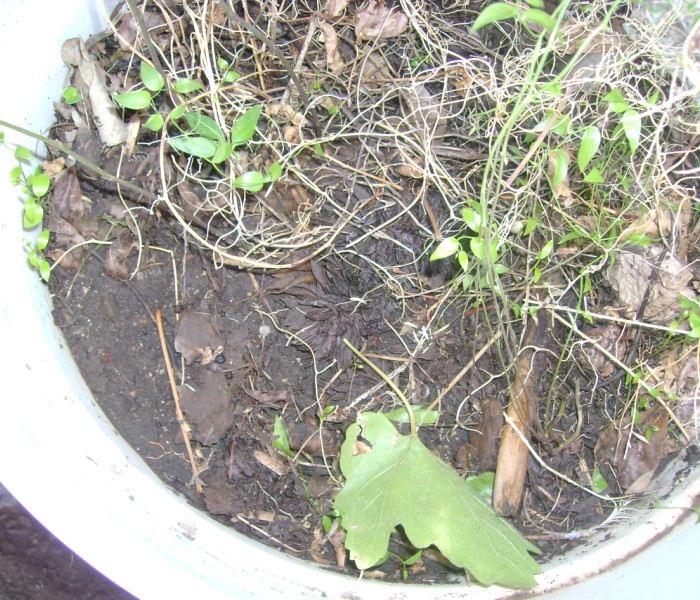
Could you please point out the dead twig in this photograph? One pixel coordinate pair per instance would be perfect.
(184, 427)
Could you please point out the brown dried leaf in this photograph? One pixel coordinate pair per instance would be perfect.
(378, 22)
(196, 339)
(634, 460)
(424, 111)
(206, 402)
(121, 247)
(271, 462)
(335, 8)
(610, 338)
(111, 128)
(631, 276)
(329, 37)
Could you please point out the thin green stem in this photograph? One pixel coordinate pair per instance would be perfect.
(389, 382)
(93, 167)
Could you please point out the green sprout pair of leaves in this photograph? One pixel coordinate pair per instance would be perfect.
(690, 312)
(531, 13)
(400, 482)
(452, 246)
(34, 188)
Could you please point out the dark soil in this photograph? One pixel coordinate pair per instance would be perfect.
(253, 330)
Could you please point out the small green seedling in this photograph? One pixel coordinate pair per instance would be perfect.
(502, 11)
(690, 313)
(399, 482)
(34, 188)
(280, 438)
(411, 560)
(72, 96)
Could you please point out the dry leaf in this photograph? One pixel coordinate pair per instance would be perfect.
(335, 8)
(54, 167)
(206, 401)
(378, 22)
(119, 250)
(634, 460)
(111, 128)
(631, 277)
(196, 339)
(329, 37)
(424, 110)
(271, 462)
(610, 338)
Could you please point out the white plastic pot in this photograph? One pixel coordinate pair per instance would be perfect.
(65, 462)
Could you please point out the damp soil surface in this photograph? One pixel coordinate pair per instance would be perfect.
(256, 288)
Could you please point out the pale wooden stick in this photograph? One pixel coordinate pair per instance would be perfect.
(184, 427)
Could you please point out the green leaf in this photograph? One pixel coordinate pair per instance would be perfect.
(463, 260)
(151, 78)
(178, 112)
(230, 76)
(204, 125)
(632, 124)
(400, 482)
(617, 101)
(536, 274)
(530, 226)
(498, 11)
(196, 146)
(274, 172)
(223, 152)
(16, 175)
(422, 415)
(561, 167)
(22, 153)
(43, 239)
(538, 17)
(594, 176)
(40, 184)
(71, 95)
(44, 270)
(598, 481)
(280, 439)
(252, 181)
(482, 484)
(472, 219)
(478, 248)
(243, 127)
(546, 250)
(187, 86)
(535, 3)
(590, 142)
(446, 247)
(134, 100)
(154, 122)
(33, 214)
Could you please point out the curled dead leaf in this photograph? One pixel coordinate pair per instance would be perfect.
(423, 110)
(633, 458)
(119, 251)
(329, 37)
(335, 8)
(379, 22)
(196, 339)
(644, 271)
(111, 128)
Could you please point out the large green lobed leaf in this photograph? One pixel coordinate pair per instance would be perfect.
(400, 482)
